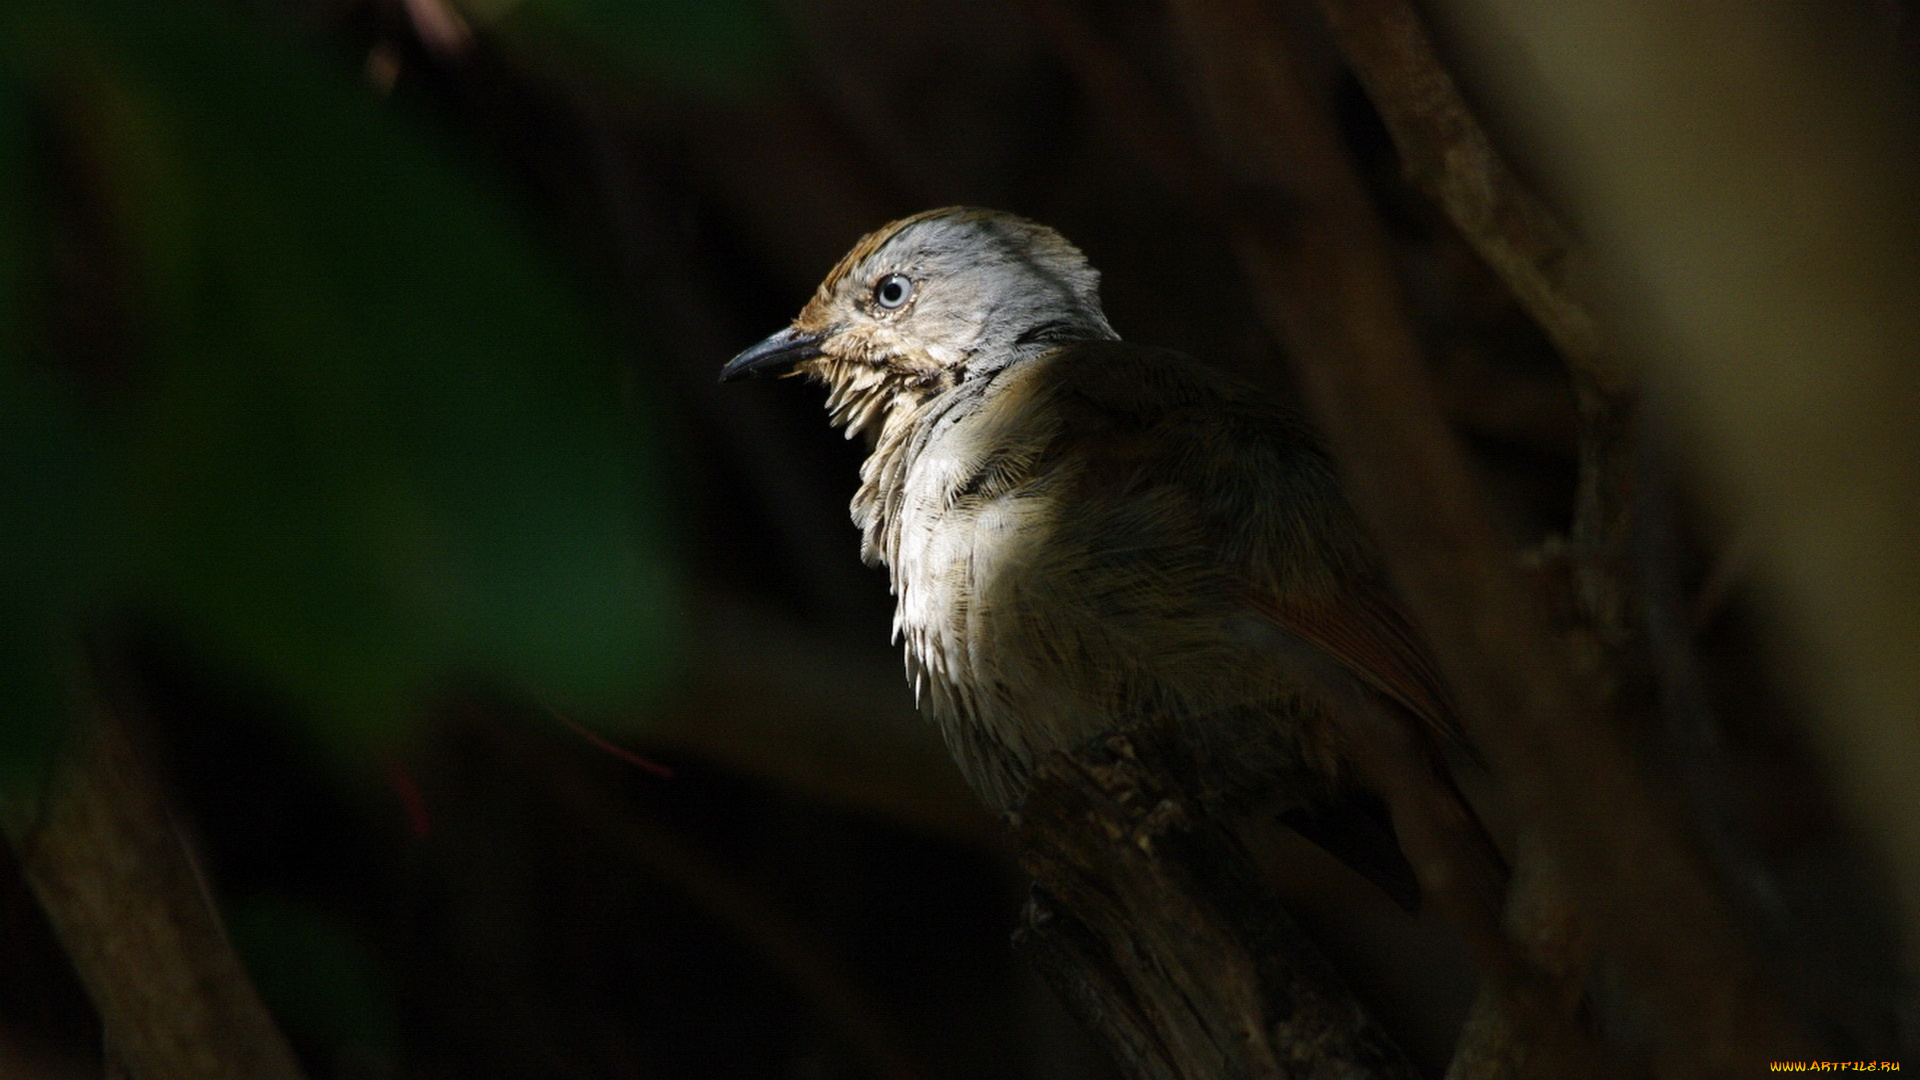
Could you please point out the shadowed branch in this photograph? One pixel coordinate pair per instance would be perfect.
(1150, 921)
(1318, 259)
(121, 889)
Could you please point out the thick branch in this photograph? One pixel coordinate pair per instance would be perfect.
(1321, 269)
(1151, 923)
(122, 892)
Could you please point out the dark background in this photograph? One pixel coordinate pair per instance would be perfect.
(366, 424)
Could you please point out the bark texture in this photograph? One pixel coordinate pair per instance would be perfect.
(1152, 924)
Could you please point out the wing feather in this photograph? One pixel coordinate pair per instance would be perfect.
(1363, 628)
(1215, 435)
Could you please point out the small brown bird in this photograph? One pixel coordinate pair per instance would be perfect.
(1085, 534)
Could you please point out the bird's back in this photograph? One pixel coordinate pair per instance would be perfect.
(1085, 541)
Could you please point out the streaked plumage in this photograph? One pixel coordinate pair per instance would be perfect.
(1085, 534)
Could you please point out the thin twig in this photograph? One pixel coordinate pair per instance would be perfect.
(828, 719)
(788, 946)
(1111, 83)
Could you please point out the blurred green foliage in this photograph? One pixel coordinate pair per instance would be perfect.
(703, 48)
(355, 437)
(318, 977)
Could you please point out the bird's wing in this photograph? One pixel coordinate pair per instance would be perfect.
(1232, 493)
(1215, 436)
(1363, 629)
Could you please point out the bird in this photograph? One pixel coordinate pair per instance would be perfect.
(1085, 534)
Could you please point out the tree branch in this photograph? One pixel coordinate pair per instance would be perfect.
(1765, 240)
(1152, 925)
(1322, 272)
(1446, 153)
(121, 889)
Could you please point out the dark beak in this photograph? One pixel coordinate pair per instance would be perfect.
(777, 353)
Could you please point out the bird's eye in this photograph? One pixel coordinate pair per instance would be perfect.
(892, 291)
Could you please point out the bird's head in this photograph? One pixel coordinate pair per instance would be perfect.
(930, 302)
